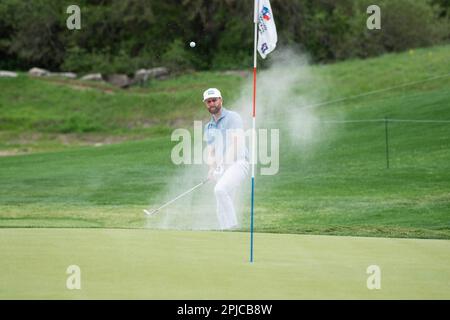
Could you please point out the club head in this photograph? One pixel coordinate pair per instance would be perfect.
(149, 213)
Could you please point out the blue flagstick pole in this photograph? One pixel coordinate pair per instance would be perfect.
(251, 223)
(253, 158)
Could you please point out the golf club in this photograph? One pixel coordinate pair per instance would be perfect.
(152, 212)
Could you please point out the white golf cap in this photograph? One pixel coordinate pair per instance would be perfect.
(211, 93)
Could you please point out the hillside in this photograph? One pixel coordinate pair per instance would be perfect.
(337, 183)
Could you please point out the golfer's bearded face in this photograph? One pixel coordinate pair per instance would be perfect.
(213, 105)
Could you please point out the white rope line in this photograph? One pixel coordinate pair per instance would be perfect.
(370, 93)
(375, 91)
(383, 120)
(351, 121)
(372, 120)
(422, 121)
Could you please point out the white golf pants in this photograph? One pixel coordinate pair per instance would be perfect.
(224, 191)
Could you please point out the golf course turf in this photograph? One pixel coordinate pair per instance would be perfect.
(152, 264)
(81, 165)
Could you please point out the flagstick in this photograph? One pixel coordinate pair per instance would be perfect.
(255, 20)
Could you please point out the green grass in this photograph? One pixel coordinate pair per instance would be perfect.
(149, 264)
(72, 106)
(336, 185)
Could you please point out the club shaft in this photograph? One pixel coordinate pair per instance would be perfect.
(181, 195)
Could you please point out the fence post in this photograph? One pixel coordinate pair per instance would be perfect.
(387, 141)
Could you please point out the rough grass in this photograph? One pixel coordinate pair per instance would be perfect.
(338, 186)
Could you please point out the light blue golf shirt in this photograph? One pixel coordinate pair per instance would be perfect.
(218, 129)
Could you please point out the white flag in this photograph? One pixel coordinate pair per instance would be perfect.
(267, 35)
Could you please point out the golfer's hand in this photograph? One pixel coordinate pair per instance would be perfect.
(214, 174)
(218, 172)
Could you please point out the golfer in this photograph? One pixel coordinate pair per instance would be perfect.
(227, 155)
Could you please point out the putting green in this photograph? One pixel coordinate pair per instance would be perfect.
(150, 264)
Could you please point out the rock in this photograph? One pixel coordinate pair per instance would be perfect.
(158, 73)
(151, 73)
(69, 75)
(143, 75)
(93, 77)
(140, 77)
(7, 74)
(38, 72)
(119, 80)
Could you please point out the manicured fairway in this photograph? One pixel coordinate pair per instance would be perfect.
(151, 264)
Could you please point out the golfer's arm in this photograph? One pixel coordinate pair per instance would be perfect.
(211, 157)
(236, 145)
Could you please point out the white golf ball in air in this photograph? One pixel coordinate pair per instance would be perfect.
(192, 44)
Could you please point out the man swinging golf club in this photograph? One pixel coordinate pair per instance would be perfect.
(227, 155)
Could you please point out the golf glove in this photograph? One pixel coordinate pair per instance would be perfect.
(216, 173)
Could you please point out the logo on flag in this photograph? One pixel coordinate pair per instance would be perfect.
(267, 35)
(265, 13)
(264, 47)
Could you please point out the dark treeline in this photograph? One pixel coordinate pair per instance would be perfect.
(122, 36)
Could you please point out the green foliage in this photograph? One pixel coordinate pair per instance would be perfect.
(104, 62)
(39, 32)
(409, 24)
(336, 30)
(235, 45)
(443, 6)
(82, 61)
(177, 57)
